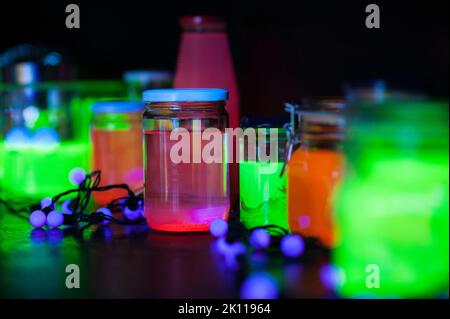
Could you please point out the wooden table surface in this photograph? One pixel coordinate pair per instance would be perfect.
(133, 262)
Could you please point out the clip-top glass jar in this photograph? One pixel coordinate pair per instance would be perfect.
(262, 182)
(186, 169)
(315, 168)
(116, 134)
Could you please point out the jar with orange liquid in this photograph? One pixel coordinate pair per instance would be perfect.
(315, 167)
(116, 133)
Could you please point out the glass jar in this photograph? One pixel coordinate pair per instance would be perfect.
(116, 133)
(315, 168)
(261, 182)
(46, 125)
(186, 169)
(392, 207)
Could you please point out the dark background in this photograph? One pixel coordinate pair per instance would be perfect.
(282, 50)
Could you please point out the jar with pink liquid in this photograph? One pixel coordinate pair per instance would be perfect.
(186, 169)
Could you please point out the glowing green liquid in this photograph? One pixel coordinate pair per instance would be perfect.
(35, 173)
(39, 173)
(262, 196)
(392, 210)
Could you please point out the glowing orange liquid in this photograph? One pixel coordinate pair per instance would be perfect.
(118, 154)
(312, 176)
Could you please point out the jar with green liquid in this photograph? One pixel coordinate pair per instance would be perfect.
(392, 207)
(262, 186)
(45, 133)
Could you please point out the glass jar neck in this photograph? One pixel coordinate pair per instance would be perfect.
(267, 140)
(321, 123)
(116, 121)
(397, 130)
(321, 131)
(202, 24)
(184, 109)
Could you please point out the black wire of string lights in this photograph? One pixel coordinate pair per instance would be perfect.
(131, 205)
(74, 210)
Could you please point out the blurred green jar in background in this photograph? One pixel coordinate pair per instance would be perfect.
(392, 207)
(45, 133)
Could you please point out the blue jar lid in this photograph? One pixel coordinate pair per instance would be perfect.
(117, 107)
(147, 76)
(185, 95)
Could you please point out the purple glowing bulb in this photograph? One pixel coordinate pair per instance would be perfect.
(237, 248)
(232, 252)
(259, 239)
(46, 202)
(260, 286)
(221, 245)
(230, 249)
(55, 219)
(131, 214)
(38, 218)
(218, 228)
(105, 211)
(331, 276)
(292, 245)
(77, 176)
(65, 207)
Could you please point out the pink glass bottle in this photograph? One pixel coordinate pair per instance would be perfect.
(204, 61)
(185, 188)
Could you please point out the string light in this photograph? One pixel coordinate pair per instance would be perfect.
(292, 245)
(132, 214)
(38, 218)
(74, 209)
(218, 228)
(55, 219)
(259, 239)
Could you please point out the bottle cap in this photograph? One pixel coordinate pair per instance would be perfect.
(185, 95)
(116, 107)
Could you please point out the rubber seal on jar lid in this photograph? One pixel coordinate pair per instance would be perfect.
(117, 107)
(185, 95)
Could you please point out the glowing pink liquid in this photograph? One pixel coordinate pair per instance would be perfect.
(182, 197)
(204, 61)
